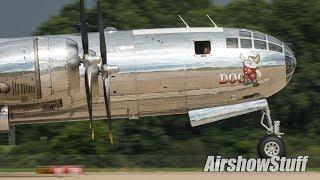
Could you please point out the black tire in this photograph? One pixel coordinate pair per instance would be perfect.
(271, 145)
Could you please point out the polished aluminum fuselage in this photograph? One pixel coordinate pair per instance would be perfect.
(159, 74)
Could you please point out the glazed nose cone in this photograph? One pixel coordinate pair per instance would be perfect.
(290, 61)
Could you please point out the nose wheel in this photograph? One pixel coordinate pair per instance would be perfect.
(271, 144)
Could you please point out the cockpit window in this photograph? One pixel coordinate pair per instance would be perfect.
(243, 33)
(202, 47)
(246, 43)
(260, 44)
(274, 47)
(274, 41)
(232, 42)
(259, 36)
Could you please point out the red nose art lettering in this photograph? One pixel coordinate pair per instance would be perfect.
(231, 78)
(224, 79)
(241, 78)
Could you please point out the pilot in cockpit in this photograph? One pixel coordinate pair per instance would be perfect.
(206, 50)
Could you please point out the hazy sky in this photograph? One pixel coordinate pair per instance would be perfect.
(22, 17)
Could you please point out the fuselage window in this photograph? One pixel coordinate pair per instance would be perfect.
(260, 44)
(245, 34)
(274, 47)
(246, 43)
(202, 47)
(259, 36)
(232, 42)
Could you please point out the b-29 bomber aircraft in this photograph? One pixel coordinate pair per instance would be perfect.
(209, 73)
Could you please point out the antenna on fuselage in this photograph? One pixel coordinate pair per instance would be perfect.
(187, 26)
(212, 21)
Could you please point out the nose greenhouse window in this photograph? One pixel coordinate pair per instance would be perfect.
(259, 36)
(274, 47)
(289, 65)
(260, 44)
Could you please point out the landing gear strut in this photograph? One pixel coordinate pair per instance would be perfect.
(271, 144)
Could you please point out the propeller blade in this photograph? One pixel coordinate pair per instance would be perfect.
(89, 100)
(105, 75)
(88, 71)
(84, 29)
(103, 48)
(106, 93)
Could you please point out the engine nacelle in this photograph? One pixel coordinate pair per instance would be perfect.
(38, 68)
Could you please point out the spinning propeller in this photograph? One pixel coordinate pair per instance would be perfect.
(92, 70)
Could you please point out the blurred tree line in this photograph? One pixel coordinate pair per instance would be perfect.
(295, 22)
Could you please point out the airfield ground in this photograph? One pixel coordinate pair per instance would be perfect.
(168, 175)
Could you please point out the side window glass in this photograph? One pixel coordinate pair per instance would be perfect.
(246, 43)
(273, 47)
(202, 47)
(232, 42)
(260, 44)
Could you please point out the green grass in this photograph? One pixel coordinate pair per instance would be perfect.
(4, 149)
(313, 169)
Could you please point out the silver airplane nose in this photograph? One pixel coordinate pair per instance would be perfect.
(291, 62)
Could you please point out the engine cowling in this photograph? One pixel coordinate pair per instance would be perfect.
(38, 68)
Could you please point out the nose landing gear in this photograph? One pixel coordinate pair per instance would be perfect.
(271, 144)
